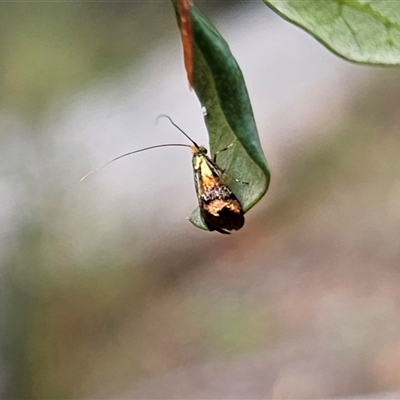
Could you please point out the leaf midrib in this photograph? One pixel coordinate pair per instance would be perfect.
(367, 9)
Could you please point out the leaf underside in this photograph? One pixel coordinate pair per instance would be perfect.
(362, 31)
(219, 85)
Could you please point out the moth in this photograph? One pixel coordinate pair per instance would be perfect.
(220, 209)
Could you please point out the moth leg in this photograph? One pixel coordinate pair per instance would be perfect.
(232, 177)
(224, 149)
(223, 171)
(236, 180)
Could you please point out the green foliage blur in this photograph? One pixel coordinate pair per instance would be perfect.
(50, 49)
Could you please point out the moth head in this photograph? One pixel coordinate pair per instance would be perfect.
(199, 150)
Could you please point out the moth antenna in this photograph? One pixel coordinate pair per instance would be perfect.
(177, 127)
(133, 152)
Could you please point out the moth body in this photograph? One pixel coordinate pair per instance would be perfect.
(220, 209)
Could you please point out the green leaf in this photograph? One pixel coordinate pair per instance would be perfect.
(363, 31)
(220, 87)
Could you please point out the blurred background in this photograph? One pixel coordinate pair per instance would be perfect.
(107, 291)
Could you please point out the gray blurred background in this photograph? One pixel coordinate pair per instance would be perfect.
(107, 291)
